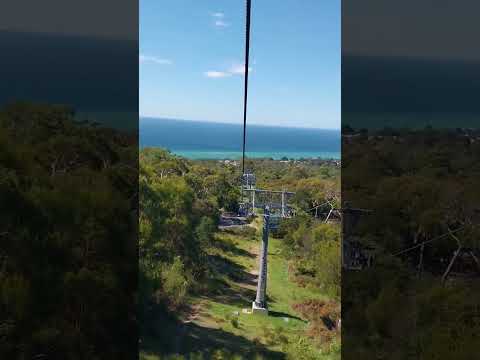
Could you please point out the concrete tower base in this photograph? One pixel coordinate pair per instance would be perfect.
(259, 310)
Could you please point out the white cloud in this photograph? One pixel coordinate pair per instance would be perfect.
(239, 69)
(235, 69)
(217, 74)
(218, 20)
(221, 23)
(154, 60)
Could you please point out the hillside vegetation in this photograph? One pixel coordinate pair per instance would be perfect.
(67, 233)
(420, 185)
(196, 280)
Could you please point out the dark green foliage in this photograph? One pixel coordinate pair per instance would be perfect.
(419, 184)
(179, 207)
(316, 252)
(174, 282)
(178, 217)
(68, 230)
(205, 230)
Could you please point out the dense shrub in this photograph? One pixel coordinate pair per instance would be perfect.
(177, 221)
(68, 236)
(174, 282)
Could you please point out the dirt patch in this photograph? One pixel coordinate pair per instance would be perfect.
(240, 291)
(194, 312)
(198, 314)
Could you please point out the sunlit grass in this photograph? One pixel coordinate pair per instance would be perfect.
(282, 294)
(222, 305)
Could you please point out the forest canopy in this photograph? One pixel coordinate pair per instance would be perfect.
(68, 236)
(181, 202)
(422, 188)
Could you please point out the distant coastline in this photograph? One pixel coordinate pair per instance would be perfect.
(215, 155)
(208, 140)
(186, 121)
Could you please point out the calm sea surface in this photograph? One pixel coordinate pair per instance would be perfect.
(203, 140)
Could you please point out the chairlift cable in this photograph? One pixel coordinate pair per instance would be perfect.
(247, 55)
(428, 241)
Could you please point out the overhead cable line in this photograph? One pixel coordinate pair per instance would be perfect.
(429, 241)
(245, 97)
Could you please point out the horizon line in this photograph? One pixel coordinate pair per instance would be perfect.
(239, 124)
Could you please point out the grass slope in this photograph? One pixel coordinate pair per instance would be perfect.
(216, 327)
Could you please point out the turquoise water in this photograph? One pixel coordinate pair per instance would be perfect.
(206, 140)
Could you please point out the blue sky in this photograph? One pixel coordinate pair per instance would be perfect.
(192, 54)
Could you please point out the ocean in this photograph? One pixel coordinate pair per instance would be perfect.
(206, 140)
